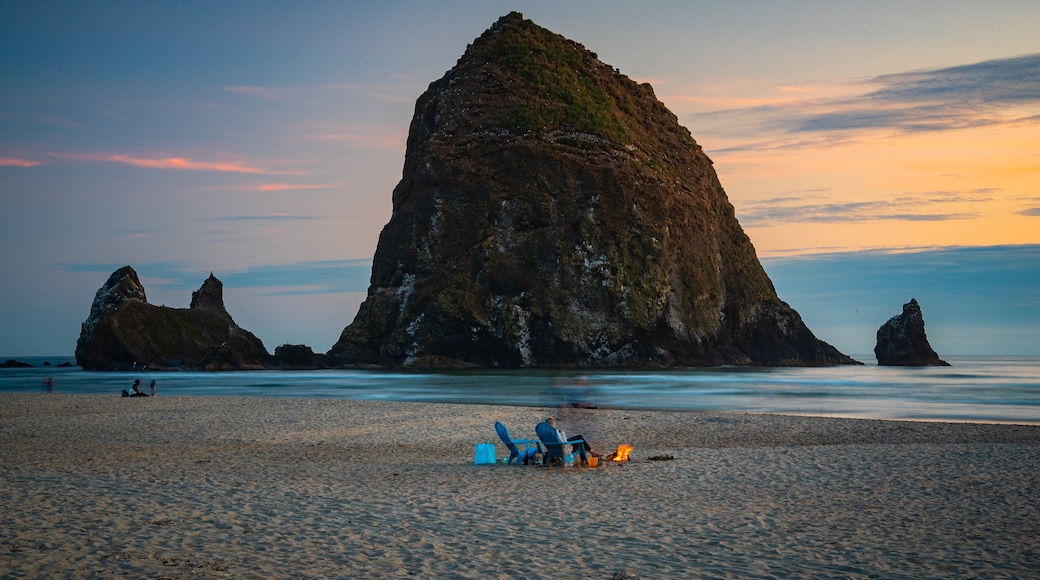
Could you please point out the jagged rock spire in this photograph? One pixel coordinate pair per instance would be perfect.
(901, 341)
(210, 296)
(124, 332)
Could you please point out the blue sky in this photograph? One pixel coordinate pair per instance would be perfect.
(874, 151)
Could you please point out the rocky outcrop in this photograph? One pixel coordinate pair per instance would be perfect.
(902, 342)
(123, 331)
(15, 364)
(553, 213)
(297, 357)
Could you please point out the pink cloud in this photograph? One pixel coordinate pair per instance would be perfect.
(275, 187)
(289, 186)
(15, 162)
(180, 163)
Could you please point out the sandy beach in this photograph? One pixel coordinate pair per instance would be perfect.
(200, 487)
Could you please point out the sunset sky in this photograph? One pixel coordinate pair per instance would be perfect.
(874, 152)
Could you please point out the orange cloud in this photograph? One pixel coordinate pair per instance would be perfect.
(15, 162)
(887, 189)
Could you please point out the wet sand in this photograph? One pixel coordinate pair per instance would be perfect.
(200, 487)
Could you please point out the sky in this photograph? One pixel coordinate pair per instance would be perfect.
(874, 151)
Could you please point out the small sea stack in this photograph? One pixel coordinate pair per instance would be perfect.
(902, 341)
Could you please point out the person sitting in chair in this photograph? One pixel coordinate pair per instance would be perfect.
(563, 437)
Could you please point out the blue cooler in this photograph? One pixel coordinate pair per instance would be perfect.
(484, 453)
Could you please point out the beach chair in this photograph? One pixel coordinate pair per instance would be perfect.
(527, 453)
(554, 446)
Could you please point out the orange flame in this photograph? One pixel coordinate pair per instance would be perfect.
(622, 452)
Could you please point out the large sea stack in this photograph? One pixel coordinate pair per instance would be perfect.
(553, 213)
(124, 331)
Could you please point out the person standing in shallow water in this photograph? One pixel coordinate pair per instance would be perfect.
(153, 387)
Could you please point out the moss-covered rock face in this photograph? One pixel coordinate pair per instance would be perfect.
(124, 332)
(553, 213)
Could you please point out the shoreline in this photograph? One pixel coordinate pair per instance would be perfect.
(982, 389)
(252, 487)
(793, 414)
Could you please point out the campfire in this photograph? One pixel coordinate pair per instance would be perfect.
(621, 454)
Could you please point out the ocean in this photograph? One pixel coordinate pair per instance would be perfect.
(990, 389)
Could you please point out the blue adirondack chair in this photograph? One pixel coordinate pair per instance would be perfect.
(550, 437)
(517, 454)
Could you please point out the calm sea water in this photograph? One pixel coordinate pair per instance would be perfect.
(976, 388)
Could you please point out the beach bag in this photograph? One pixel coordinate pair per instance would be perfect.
(484, 453)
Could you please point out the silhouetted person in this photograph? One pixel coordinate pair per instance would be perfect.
(136, 390)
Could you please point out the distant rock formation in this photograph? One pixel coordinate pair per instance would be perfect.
(553, 213)
(297, 357)
(902, 342)
(14, 364)
(124, 332)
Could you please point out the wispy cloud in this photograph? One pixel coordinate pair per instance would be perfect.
(18, 162)
(291, 186)
(41, 119)
(171, 163)
(743, 94)
(393, 140)
(370, 136)
(1004, 81)
(264, 217)
(996, 92)
(279, 186)
(383, 92)
(254, 91)
(911, 206)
